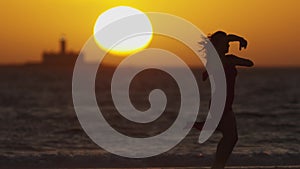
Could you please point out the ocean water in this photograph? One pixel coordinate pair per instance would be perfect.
(37, 116)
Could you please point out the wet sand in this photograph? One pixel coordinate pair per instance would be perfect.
(158, 162)
(229, 167)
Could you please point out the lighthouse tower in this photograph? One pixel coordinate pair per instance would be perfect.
(62, 45)
(62, 57)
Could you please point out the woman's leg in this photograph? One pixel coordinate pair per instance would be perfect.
(228, 128)
(198, 125)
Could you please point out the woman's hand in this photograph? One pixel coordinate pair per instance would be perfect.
(243, 43)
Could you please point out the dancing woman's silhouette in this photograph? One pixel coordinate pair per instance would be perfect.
(227, 125)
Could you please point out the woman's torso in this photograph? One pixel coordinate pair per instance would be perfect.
(230, 74)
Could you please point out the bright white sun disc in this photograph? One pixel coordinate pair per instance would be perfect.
(132, 33)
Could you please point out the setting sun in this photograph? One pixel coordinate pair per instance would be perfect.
(122, 30)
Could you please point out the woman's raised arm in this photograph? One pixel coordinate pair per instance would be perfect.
(240, 61)
(233, 38)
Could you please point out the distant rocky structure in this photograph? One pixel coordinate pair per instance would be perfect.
(61, 58)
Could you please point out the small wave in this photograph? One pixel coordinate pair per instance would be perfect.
(274, 114)
(70, 131)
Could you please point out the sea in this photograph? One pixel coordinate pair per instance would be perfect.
(38, 120)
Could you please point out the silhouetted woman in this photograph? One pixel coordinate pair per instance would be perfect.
(227, 125)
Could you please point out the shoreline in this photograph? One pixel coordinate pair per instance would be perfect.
(158, 162)
(227, 167)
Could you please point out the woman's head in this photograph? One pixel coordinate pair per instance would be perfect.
(220, 41)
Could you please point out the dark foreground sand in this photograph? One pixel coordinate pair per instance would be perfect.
(230, 167)
(161, 162)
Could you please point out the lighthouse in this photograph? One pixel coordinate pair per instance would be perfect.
(62, 57)
(62, 45)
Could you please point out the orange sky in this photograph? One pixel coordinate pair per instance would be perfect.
(28, 27)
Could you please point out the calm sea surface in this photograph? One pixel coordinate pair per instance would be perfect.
(37, 115)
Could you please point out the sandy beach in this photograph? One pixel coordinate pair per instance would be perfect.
(229, 167)
(161, 161)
